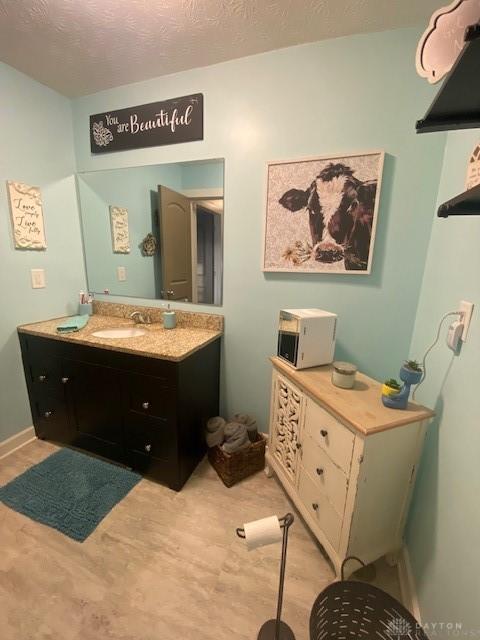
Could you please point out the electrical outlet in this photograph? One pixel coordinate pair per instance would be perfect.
(121, 274)
(38, 278)
(467, 309)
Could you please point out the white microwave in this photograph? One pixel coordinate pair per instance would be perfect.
(306, 337)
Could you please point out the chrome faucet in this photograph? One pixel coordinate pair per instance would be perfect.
(139, 318)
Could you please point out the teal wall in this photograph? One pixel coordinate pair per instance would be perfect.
(202, 175)
(36, 146)
(344, 95)
(444, 521)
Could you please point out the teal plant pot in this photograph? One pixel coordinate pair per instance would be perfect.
(409, 376)
(400, 399)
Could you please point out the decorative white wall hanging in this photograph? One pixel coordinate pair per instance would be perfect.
(443, 40)
(120, 232)
(473, 169)
(27, 216)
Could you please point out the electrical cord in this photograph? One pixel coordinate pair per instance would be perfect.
(424, 368)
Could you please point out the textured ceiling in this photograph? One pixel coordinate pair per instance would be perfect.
(82, 46)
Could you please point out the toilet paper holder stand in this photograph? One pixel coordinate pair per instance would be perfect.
(276, 629)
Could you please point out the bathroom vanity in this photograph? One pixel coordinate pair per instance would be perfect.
(141, 401)
(347, 462)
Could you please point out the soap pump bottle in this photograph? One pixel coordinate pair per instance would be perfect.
(169, 318)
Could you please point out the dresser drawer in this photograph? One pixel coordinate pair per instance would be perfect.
(329, 478)
(332, 436)
(320, 508)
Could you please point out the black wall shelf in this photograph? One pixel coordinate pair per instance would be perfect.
(466, 204)
(457, 104)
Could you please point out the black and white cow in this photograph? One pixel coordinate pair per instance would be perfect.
(340, 214)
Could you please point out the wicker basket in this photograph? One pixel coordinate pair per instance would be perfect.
(233, 467)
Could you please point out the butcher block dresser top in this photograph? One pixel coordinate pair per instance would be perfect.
(360, 408)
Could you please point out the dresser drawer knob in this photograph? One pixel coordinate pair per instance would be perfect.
(42, 378)
(145, 405)
(323, 433)
(298, 445)
(65, 379)
(148, 448)
(48, 414)
(319, 471)
(315, 506)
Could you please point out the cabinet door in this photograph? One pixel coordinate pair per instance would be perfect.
(50, 418)
(285, 424)
(94, 397)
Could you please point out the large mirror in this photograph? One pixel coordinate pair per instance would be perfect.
(155, 231)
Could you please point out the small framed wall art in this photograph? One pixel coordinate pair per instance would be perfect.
(120, 231)
(27, 216)
(321, 213)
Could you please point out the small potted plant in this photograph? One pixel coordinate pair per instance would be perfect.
(390, 387)
(411, 372)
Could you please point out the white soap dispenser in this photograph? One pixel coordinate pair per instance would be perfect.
(169, 318)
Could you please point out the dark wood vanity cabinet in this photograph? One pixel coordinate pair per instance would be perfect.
(143, 412)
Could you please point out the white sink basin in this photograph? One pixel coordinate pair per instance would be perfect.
(124, 332)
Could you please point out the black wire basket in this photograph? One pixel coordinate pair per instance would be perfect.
(351, 610)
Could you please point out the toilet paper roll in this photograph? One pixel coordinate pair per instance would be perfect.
(262, 532)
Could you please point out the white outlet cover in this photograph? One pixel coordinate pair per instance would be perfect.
(121, 274)
(467, 309)
(38, 278)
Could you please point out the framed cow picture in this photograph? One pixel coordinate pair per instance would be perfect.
(321, 213)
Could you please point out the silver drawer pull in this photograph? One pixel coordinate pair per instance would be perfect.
(42, 378)
(323, 433)
(48, 414)
(315, 506)
(148, 448)
(65, 379)
(319, 471)
(145, 405)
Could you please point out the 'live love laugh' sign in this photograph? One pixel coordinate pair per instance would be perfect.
(149, 125)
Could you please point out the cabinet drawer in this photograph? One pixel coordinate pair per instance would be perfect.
(149, 396)
(332, 436)
(320, 508)
(151, 437)
(329, 478)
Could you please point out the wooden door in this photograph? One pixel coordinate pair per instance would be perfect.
(175, 244)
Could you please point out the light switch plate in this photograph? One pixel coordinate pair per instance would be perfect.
(38, 278)
(121, 274)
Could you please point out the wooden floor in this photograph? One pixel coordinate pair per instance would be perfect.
(161, 566)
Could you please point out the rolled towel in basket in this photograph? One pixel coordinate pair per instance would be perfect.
(214, 434)
(236, 437)
(249, 422)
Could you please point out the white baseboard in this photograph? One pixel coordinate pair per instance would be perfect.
(407, 584)
(16, 441)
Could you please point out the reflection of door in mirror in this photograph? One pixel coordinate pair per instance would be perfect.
(175, 244)
(207, 250)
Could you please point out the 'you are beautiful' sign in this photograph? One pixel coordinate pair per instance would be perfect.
(148, 125)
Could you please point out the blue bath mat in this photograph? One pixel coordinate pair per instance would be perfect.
(69, 491)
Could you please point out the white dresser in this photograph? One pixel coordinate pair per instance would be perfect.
(347, 462)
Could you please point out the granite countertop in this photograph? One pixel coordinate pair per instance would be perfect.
(164, 344)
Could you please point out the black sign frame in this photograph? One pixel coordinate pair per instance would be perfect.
(148, 125)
